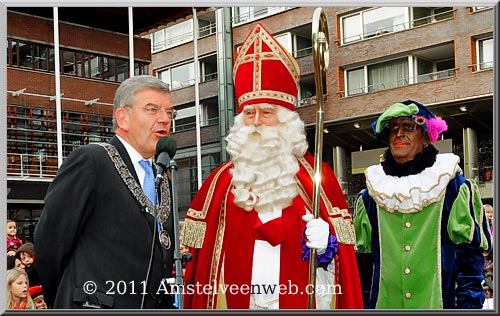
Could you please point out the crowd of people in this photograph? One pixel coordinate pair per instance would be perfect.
(24, 290)
(488, 261)
(419, 236)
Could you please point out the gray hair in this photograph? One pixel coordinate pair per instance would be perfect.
(125, 93)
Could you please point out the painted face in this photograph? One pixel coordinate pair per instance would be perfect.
(261, 114)
(19, 288)
(143, 123)
(40, 302)
(11, 229)
(405, 139)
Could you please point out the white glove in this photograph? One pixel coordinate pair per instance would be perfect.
(317, 233)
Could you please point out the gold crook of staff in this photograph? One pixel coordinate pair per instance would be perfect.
(320, 52)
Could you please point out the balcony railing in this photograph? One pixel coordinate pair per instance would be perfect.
(482, 66)
(206, 30)
(32, 166)
(190, 82)
(399, 27)
(399, 83)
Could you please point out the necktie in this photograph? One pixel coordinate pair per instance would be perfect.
(149, 180)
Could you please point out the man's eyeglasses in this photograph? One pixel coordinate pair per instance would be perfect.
(407, 127)
(155, 111)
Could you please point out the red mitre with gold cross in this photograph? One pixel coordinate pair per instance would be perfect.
(265, 72)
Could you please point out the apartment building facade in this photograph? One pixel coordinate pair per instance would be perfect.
(92, 63)
(440, 56)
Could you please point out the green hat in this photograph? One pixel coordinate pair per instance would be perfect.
(394, 111)
(431, 125)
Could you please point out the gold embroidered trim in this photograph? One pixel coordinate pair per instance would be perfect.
(193, 233)
(340, 218)
(203, 212)
(268, 94)
(216, 254)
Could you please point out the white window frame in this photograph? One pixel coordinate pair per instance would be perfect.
(181, 38)
(360, 28)
(166, 76)
(480, 53)
(252, 16)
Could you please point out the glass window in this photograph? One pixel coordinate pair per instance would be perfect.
(137, 69)
(444, 68)
(8, 52)
(183, 183)
(304, 46)
(186, 118)
(208, 68)
(384, 20)
(209, 112)
(245, 14)
(79, 64)
(388, 75)
(15, 53)
(25, 55)
(286, 41)
(242, 14)
(209, 163)
(355, 81)
(424, 70)
(442, 13)
(182, 76)
(41, 57)
(485, 53)
(109, 69)
(52, 66)
(307, 91)
(159, 40)
(68, 62)
(164, 75)
(122, 69)
(179, 33)
(87, 65)
(205, 28)
(95, 67)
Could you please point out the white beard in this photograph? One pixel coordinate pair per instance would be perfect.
(265, 163)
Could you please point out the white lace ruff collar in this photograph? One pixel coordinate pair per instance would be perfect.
(412, 193)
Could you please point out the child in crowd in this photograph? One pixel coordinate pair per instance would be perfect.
(14, 262)
(13, 242)
(18, 296)
(36, 293)
(26, 253)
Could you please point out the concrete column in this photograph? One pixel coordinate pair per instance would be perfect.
(339, 167)
(224, 42)
(471, 170)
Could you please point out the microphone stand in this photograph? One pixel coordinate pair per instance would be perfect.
(179, 278)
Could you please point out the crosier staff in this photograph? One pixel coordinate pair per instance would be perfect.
(321, 58)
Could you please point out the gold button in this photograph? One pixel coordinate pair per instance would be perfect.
(408, 295)
(408, 224)
(407, 270)
(407, 247)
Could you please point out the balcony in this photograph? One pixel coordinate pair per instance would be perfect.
(31, 166)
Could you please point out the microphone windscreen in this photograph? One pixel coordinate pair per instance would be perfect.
(166, 144)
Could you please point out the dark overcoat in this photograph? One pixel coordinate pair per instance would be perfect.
(93, 231)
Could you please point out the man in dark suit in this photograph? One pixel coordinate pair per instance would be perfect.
(98, 239)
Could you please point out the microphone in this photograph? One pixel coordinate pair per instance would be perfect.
(165, 150)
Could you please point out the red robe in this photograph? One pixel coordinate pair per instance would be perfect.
(216, 230)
